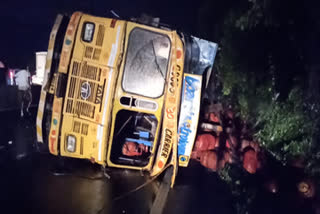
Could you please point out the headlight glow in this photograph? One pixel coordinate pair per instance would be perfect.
(71, 143)
(88, 32)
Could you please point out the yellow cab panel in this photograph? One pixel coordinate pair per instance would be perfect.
(93, 72)
(139, 97)
(130, 94)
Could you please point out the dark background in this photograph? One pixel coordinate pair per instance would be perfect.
(26, 25)
(293, 43)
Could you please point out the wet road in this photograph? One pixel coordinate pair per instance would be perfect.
(29, 186)
(32, 185)
(43, 184)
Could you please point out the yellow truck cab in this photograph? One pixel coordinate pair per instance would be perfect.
(122, 93)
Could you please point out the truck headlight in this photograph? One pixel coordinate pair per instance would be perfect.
(87, 35)
(71, 143)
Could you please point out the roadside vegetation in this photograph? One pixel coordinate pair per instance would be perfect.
(263, 72)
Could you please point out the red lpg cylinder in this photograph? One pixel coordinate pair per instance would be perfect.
(206, 142)
(209, 159)
(250, 161)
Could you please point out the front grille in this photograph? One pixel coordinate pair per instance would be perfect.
(92, 53)
(90, 72)
(96, 54)
(100, 35)
(83, 109)
(88, 52)
(80, 108)
(76, 127)
(93, 87)
(72, 87)
(76, 102)
(76, 68)
(85, 89)
(84, 129)
(69, 106)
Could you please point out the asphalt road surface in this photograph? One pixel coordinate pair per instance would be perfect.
(31, 182)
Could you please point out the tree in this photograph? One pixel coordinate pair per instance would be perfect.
(261, 71)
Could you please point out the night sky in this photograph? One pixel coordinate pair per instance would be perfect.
(26, 25)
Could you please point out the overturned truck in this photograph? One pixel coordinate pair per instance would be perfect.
(123, 94)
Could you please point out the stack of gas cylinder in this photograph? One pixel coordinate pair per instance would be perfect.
(223, 138)
(218, 140)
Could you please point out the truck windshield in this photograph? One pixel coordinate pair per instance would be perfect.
(146, 63)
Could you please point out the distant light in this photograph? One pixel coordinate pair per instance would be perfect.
(114, 13)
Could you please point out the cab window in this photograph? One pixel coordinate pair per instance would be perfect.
(133, 138)
(146, 63)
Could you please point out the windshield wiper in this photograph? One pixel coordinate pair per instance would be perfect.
(156, 61)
